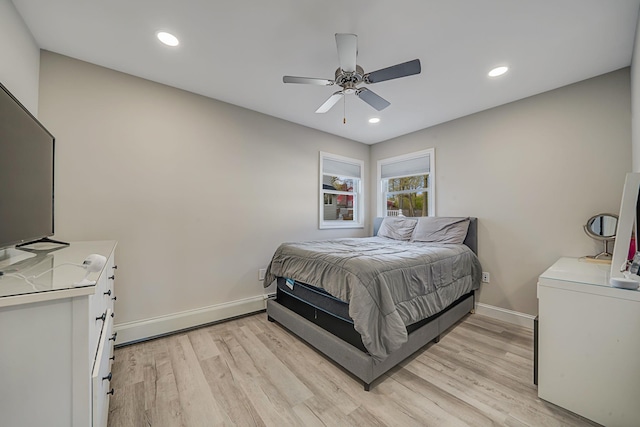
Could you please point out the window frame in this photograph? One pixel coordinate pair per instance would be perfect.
(381, 196)
(357, 193)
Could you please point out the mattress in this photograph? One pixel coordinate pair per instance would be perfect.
(331, 313)
(319, 307)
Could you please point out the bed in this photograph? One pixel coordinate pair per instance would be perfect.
(369, 303)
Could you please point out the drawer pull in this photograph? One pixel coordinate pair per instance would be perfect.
(114, 298)
(113, 337)
(103, 317)
(108, 292)
(115, 267)
(113, 314)
(108, 377)
(113, 357)
(110, 392)
(112, 277)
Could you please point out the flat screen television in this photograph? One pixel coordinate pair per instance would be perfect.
(26, 174)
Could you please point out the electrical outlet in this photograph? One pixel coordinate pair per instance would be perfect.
(261, 273)
(485, 277)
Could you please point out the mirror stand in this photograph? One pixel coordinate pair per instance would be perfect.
(605, 254)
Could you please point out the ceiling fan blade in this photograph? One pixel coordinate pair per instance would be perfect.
(394, 72)
(347, 51)
(307, 81)
(333, 99)
(373, 99)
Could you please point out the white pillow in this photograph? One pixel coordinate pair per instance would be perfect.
(397, 228)
(440, 230)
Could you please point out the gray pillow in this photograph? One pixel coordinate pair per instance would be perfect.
(397, 228)
(440, 230)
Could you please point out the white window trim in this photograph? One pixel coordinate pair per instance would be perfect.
(381, 201)
(358, 220)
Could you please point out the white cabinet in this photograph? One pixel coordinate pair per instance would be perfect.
(589, 343)
(56, 340)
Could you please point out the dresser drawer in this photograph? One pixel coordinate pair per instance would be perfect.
(110, 293)
(105, 290)
(101, 301)
(101, 389)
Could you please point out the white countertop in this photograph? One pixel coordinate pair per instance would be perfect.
(57, 283)
(579, 275)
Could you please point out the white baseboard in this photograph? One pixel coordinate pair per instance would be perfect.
(140, 330)
(509, 316)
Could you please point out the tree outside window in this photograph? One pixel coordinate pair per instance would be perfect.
(408, 196)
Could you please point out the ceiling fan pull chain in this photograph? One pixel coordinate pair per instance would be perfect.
(344, 109)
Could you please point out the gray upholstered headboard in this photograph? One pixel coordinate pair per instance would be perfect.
(472, 234)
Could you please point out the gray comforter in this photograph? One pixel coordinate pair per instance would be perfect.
(388, 283)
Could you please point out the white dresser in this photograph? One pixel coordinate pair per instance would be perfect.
(589, 343)
(56, 340)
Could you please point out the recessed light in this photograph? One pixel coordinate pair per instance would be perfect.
(498, 71)
(374, 120)
(167, 38)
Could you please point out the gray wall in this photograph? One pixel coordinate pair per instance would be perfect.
(198, 193)
(20, 57)
(533, 172)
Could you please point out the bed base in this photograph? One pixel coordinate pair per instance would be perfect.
(355, 361)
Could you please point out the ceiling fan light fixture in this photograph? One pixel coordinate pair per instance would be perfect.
(167, 38)
(374, 120)
(498, 71)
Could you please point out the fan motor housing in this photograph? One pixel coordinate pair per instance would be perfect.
(349, 80)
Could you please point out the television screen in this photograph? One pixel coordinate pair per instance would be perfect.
(26, 174)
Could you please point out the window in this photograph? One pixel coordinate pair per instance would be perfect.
(340, 192)
(407, 185)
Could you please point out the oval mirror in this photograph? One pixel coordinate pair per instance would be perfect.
(602, 226)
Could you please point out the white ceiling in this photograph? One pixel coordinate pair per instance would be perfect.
(238, 51)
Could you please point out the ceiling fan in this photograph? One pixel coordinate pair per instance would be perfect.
(349, 75)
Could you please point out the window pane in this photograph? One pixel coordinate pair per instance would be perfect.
(338, 183)
(408, 204)
(416, 182)
(406, 184)
(338, 207)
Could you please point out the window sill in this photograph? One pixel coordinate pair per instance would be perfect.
(325, 226)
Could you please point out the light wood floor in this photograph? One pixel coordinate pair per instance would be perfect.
(250, 372)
